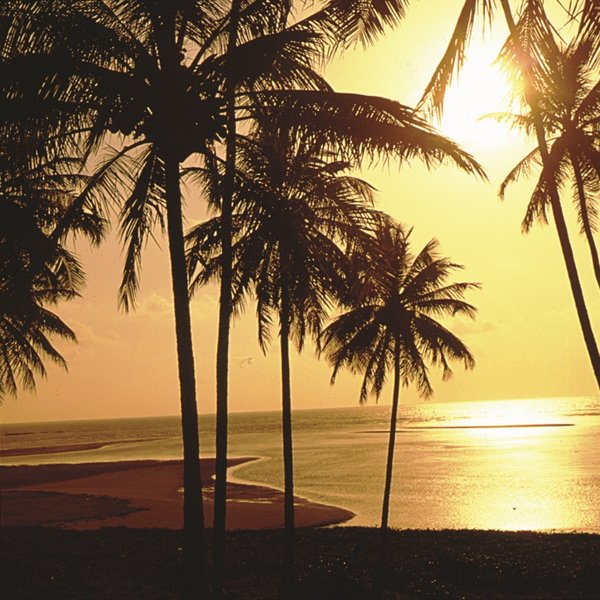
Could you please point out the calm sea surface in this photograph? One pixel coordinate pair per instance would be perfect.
(519, 464)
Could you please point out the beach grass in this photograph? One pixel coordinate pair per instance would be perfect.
(333, 563)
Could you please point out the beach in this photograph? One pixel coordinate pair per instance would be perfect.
(139, 494)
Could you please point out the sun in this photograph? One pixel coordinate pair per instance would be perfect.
(480, 89)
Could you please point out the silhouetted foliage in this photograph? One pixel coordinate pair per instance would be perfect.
(391, 325)
(39, 208)
(526, 51)
(569, 104)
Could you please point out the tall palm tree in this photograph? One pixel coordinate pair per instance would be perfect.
(524, 49)
(293, 207)
(391, 325)
(98, 67)
(521, 34)
(225, 308)
(570, 105)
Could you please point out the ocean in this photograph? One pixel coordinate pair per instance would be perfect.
(507, 465)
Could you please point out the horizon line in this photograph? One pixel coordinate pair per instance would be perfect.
(321, 408)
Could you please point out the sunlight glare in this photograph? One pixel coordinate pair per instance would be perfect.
(480, 89)
(509, 414)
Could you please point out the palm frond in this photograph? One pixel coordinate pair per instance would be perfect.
(343, 23)
(142, 211)
(589, 28)
(357, 125)
(523, 168)
(451, 63)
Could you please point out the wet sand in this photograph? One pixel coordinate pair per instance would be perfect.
(139, 494)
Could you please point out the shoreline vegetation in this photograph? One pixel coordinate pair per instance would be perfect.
(112, 530)
(333, 563)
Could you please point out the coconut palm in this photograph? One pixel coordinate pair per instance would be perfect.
(525, 50)
(531, 31)
(294, 206)
(98, 67)
(391, 325)
(570, 106)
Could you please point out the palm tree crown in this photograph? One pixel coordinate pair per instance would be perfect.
(569, 103)
(393, 312)
(293, 209)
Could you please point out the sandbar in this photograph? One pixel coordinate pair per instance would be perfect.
(140, 494)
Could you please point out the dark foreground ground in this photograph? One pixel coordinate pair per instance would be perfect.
(336, 563)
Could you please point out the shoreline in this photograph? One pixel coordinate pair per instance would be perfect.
(140, 494)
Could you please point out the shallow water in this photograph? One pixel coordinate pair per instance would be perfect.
(521, 464)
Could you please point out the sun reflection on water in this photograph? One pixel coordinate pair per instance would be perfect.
(523, 471)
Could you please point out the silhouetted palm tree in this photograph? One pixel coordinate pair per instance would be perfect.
(293, 208)
(524, 49)
(569, 102)
(99, 67)
(391, 325)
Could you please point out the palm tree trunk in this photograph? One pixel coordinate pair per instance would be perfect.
(385, 510)
(559, 219)
(195, 580)
(288, 464)
(225, 309)
(585, 219)
(387, 490)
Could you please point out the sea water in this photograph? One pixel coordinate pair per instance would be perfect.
(512, 465)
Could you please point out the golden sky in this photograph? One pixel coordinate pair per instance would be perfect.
(526, 339)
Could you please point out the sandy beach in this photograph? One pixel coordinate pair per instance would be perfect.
(139, 494)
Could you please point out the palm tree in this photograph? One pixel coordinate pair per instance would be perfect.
(391, 325)
(534, 13)
(293, 207)
(38, 209)
(524, 49)
(569, 103)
